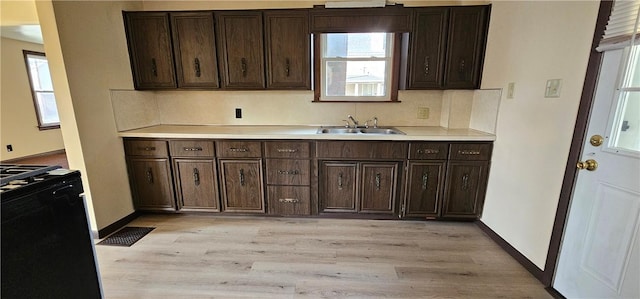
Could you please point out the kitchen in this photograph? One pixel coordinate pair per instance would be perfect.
(520, 205)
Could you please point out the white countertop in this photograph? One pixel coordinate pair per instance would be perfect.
(301, 132)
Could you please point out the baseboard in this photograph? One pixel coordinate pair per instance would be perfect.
(113, 227)
(554, 293)
(524, 261)
(56, 152)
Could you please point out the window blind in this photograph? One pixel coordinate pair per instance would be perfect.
(622, 26)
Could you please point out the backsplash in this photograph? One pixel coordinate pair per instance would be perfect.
(449, 108)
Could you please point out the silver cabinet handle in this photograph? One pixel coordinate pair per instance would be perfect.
(192, 149)
(378, 181)
(287, 67)
(468, 152)
(243, 67)
(427, 151)
(149, 173)
(241, 177)
(238, 150)
(196, 65)
(154, 67)
(147, 148)
(289, 200)
(340, 181)
(461, 67)
(425, 180)
(196, 177)
(465, 182)
(426, 66)
(287, 150)
(291, 172)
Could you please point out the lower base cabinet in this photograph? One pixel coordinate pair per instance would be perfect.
(242, 189)
(465, 189)
(151, 183)
(424, 188)
(196, 185)
(358, 187)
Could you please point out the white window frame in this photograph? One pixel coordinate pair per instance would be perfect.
(388, 59)
(42, 125)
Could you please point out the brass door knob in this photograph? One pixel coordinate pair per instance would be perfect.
(589, 165)
(596, 140)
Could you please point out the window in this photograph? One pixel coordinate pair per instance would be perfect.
(625, 133)
(42, 90)
(356, 67)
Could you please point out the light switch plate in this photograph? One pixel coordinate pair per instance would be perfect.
(552, 90)
(510, 90)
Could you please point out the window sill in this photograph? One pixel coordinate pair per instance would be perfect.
(51, 127)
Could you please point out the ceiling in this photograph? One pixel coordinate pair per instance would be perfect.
(19, 20)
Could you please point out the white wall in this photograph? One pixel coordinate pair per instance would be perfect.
(18, 119)
(530, 42)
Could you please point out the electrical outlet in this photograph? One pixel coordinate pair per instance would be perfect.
(238, 112)
(423, 113)
(9, 148)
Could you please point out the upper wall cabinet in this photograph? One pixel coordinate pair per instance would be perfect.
(150, 50)
(447, 47)
(288, 49)
(241, 49)
(195, 49)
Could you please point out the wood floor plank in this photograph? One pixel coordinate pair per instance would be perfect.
(210, 256)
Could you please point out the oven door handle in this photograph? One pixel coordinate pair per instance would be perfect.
(60, 191)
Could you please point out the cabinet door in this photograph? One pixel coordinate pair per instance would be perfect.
(288, 49)
(151, 183)
(195, 49)
(428, 41)
(150, 50)
(465, 189)
(378, 187)
(424, 188)
(338, 186)
(242, 189)
(466, 43)
(197, 185)
(242, 49)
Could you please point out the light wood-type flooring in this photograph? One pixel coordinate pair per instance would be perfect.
(202, 256)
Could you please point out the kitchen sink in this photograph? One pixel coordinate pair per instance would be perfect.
(367, 131)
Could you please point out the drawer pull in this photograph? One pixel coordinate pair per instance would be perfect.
(428, 151)
(192, 149)
(238, 150)
(291, 172)
(147, 148)
(149, 174)
(340, 181)
(468, 152)
(378, 179)
(196, 177)
(465, 182)
(287, 150)
(425, 180)
(241, 177)
(289, 200)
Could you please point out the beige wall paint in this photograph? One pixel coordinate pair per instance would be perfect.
(528, 43)
(18, 119)
(91, 58)
(21, 12)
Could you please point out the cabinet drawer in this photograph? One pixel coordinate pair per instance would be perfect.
(239, 149)
(288, 200)
(191, 148)
(470, 151)
(152, 148)
(361, 149)
(287, 172)
(284, 149)
(428, 150)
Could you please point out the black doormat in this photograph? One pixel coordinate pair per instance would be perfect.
(126, 236)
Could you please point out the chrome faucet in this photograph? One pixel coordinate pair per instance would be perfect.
(375, 122)
(353, 120)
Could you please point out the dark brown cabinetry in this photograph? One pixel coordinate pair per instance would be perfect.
(288, 51)
(195, 175)
(447, 47)
(359, 176)
(465, 186)
(150, 174)
(195, 49)
(288, 168)
(241, 176)
(425, 179)
(150, 50)
(241, 49)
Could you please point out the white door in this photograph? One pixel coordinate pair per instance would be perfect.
(599, 256)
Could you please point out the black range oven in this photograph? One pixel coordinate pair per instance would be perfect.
(47, 248)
